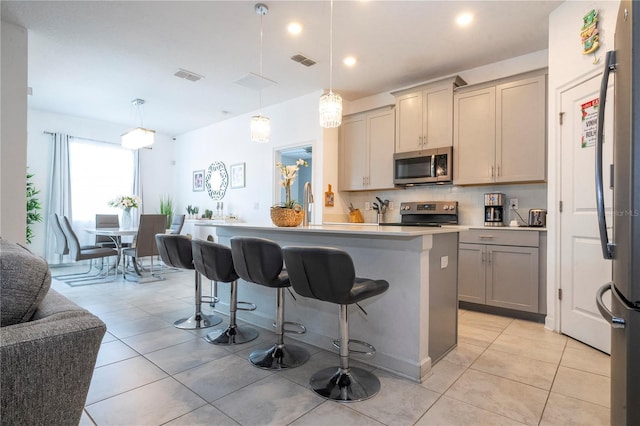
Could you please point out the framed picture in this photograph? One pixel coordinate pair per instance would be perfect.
(237, 175)
(198, 180)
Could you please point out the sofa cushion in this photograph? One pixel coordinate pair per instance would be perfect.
(24, 281)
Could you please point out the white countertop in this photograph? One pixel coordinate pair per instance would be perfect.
(509, 228)
(353, 228)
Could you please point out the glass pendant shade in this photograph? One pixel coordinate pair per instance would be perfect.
(260, 128)
(138, 138)
(330, 110)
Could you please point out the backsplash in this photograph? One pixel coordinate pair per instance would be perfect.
(470, 200)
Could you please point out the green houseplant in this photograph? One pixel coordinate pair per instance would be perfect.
(33, 207)
(166, 208)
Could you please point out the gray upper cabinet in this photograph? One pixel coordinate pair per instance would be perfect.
(367, 142)
(500, 131)
(424, 115)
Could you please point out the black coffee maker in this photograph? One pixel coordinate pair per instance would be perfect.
(494, 209)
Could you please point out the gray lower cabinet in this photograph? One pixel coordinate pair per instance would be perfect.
(499, 268)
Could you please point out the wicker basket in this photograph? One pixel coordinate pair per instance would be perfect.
(281, 216)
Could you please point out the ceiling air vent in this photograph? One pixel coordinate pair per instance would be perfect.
(307, 62)
(188, 75)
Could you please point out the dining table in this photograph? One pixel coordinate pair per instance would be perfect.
(116, 235)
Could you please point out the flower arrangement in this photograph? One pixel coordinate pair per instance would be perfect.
(125, 202)
(289, 174)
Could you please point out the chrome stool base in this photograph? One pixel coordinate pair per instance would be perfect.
(195, 322)
(346, 385)
(232, 335)
(279, 357)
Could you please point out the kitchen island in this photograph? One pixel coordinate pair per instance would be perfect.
(412, 325)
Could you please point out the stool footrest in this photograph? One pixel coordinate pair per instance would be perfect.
(251, 306)
(209, 299)
(301, 329)
(371, 351)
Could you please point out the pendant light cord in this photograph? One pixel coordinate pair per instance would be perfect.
(260, 95)
(331, 48)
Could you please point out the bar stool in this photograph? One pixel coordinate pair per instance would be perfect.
(328, 274)
(259, 261)
(214, 261)
(175, 251)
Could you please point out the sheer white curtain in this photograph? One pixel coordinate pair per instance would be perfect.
(59, 191)
(99, 172)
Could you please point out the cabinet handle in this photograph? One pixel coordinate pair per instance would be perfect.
(498, 170)
(491, 171)
(489, 257)
(483, 257)
(419, 141)
(486, 237)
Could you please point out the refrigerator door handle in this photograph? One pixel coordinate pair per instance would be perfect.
(616, 322)
(607, 247)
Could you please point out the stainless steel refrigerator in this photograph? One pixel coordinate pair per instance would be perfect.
(623, 64)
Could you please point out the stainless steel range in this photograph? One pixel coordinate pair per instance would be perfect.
(427, 213)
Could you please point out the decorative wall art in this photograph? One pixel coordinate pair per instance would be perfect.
(237, 175)
(216, 180)
(198, 180)
(589, 34)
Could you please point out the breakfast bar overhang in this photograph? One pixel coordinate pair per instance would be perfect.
(411, 326)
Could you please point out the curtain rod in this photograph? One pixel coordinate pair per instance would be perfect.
(78, 137)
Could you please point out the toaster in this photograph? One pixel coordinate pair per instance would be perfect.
(538, 217)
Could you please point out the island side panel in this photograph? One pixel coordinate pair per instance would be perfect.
(397, 323)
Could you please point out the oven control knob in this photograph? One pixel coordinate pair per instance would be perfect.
(446, 207)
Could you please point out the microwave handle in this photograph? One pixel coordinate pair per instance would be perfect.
(433, 166)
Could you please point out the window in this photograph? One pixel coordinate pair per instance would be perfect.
(99, 173)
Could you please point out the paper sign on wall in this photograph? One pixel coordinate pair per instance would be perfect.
(589, 111)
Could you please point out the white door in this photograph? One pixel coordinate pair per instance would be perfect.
(582, 267)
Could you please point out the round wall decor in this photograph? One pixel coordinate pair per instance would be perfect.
(216, 180)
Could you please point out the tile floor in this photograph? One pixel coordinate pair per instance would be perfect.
(503, 372)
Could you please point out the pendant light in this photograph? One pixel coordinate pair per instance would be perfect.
(139, 137)
(260, 125)
(330, 103)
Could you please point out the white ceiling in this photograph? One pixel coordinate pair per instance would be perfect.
(91, 58)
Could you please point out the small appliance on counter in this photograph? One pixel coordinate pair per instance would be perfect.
(538, 217)
(494, 209)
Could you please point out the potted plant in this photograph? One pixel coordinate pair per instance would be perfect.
(126, 203)
(166, 208)
(33, 207)
(288, 213)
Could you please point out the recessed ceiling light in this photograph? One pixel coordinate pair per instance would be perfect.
(349, 61)
(464, 19)
(294, 28)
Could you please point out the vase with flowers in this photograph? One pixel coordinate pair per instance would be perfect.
(289, 212)
(126, 203)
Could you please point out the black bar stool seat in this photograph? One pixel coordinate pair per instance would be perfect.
(328, 274)
(175, 251)
(259, 261)
(215, 262)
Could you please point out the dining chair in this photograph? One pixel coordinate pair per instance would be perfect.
(106, 221)
(62, 247)
(77, 252)
(177, 223)
(144, 243)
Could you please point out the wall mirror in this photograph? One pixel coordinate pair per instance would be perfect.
(216, 180)
(288, 155)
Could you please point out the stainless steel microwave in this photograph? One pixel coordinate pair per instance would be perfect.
(428, 166)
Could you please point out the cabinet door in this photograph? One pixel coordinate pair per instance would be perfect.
(474, 137)
(438, 116)
(381, 145)
(521, 113)
(353, 153)
(512, 277)
(471, 273)
(409, 121)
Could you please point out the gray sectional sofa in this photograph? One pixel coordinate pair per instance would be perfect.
(48, 344)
